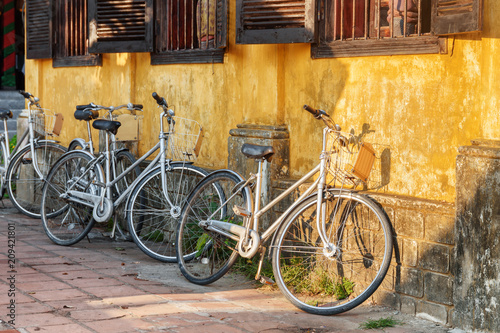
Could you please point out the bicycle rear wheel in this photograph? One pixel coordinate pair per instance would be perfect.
(336, 278)
(204, 256)
(152, 222)
(3, 167)
(24, 185)
(65, 221)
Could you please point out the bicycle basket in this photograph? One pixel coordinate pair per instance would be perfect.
(184, 139)
(350, 160)
(46, 122)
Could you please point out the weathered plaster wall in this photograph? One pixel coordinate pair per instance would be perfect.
(422, 107)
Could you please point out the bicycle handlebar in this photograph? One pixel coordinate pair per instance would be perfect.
(160, 100)
(138, 107)
(30, 97)
(25, 94)
(320, 114)
(95, 107)
(315, 112)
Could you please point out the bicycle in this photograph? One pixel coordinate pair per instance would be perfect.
(78, 189)
(121, 157)
(23, 170)
(330, 250)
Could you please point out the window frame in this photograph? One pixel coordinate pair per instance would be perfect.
(131, 26)
(428, 43)
(46, 26)
(66, 41)
(263, 22)
(195, 55)
(373, 46)
(39, 39)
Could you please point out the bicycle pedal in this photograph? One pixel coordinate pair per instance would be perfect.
(241, 211)
(27, 161)
(266, 280)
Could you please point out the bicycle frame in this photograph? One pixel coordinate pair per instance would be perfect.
(106, 195)
(237, 232)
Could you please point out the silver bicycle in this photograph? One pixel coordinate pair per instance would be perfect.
(120, 156)
(79, 192)
(23, 170)
(330, 249)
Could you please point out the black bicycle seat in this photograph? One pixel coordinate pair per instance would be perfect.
(86, 114)
(107, 125)
(4, 114)
(257, 152)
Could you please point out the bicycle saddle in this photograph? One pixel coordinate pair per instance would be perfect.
(4, 114)
(258, 152)
(86, 115)
(107, 125)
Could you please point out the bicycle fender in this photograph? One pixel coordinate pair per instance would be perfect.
(51, 141)
(122, 149)
(80, 141)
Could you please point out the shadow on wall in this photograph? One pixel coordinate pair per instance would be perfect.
(447, 257)
(419, 281)
(477, 251)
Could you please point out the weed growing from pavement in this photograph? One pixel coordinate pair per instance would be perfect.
(380, 323)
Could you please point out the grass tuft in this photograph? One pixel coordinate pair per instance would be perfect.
(380, 323)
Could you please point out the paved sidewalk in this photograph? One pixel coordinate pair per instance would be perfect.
(111, 286)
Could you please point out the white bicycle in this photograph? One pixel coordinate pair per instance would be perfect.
(24, 169)
(330, 249)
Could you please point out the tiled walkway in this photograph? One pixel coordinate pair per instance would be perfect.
(110, 286)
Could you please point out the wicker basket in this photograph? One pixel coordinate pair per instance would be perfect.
(46, 122)
(184, 141)
(350, 160)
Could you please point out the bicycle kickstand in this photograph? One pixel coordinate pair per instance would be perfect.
(262, 279)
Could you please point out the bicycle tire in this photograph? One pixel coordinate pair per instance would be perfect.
(326, 282)
(151, 222)
(23, 185)
(3, 168)
(66, 222)
(204, 256)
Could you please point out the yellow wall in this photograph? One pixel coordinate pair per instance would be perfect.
(421, 106)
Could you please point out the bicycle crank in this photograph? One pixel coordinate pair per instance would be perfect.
(103, 212)
(245, 249)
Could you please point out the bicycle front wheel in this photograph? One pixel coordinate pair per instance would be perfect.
(152, 221)
(204, 256)
(24, 185)
(332, 278)
(64, 220)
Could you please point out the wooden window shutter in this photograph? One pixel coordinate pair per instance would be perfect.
(221, 21)
(38, 29)
(456, 16)
(274, 21)
(120, 26)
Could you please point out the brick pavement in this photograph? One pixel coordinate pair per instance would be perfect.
(111, 286)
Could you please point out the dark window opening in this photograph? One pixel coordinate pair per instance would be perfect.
(190, 31)
(369, 19)
(71, 39)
